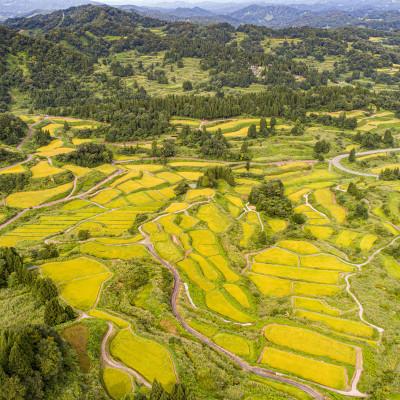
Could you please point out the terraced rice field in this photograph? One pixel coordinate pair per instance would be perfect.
(79, 279)
(310, 342)
(321, 372)
(43, 169)
(233, 343)
(17, 169)
(285, 303)
(34, 198)
(216, 301)
(117, 382)
(107, 251)
(326, 199)
(149, 358)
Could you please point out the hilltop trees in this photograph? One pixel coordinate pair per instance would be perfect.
(211, 176)
(42, 137)
(88, 155)
(12, 129)
(270, 198)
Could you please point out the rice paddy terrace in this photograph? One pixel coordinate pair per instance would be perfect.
(306, 313)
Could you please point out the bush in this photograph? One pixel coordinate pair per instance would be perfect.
(181, 188)
(298, 219)
(83, 234)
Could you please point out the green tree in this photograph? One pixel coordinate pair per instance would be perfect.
(187, 86)
(388, 138)
(352, 155)
(181, 188)
(252, 131)
(168, 148)
(263, 127)
(154, 148)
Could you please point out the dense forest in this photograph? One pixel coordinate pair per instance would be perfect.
(65, 51)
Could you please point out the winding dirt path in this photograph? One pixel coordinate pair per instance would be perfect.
(109, 360)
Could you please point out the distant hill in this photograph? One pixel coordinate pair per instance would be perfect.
(99, 20)
(271, 16)
(22, 8)
(365, 13)
(383, 14)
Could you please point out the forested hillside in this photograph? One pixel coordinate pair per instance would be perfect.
(99, 62)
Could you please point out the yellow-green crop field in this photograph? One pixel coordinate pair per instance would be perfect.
(347, 326)
(316, 305)
(346, 238)
(149, 358)
(307, 341)
(176, 207)
(325, 261)
(367, 242)
(118, 383)
(320, 232)
(109, 317)
(105, 196)
(79, 279)
(391, 265)
(270, 286)
(208, 269)
(16, 169)
(238, 294)
(216, 301)
(299, 246)
(277, 225)
(184, 121)
(276, 255)
(35, 198)
(298, 274)
(196, 193)
(321, 372)
(194, 274)
(278, 301)
(109, 251)
(43, 169)
(233, 343)
(216, 220)
(326, 199)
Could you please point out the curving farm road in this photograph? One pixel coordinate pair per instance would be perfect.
(336, 161)
(112, 363)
